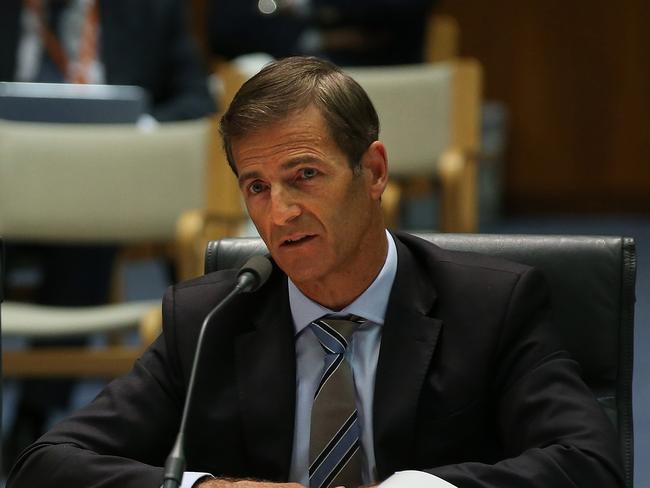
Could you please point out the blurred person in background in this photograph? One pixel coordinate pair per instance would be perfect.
(118, 42)
(349, 33)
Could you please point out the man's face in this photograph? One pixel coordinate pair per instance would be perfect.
(318, 218)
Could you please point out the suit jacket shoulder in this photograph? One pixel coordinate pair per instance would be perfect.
(487, 397)
(436, 256)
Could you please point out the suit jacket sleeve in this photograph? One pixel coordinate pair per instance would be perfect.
(122, 438)
(550, 428)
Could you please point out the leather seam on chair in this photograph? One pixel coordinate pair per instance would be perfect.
(626, 346)
(211, 255)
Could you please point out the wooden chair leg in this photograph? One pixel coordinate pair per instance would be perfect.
(390, 202)
(62, 362)
(150, 326)
(458, 207)
(189, 230)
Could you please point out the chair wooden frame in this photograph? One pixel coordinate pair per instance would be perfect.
(116, 212)
(223, 214)
(452, 118)
(111, 361)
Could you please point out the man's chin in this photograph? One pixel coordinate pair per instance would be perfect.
(301, 273)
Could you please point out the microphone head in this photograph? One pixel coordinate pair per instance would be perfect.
(255, 272)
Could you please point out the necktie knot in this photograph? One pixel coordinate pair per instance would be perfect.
(334, 332)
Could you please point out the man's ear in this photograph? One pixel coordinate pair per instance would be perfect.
(374, 164)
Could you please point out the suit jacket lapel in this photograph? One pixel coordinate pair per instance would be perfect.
(267, 383)
(408, 341)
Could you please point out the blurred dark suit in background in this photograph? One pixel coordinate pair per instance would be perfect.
(362, 32)
(135, 42)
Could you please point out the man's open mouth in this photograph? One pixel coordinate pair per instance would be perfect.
(297, 240)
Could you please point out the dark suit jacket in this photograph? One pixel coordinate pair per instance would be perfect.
(469, 387)
(144, 43)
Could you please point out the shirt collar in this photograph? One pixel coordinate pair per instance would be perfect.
(371, 304)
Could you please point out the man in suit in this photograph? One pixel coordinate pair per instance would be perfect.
(456, 380)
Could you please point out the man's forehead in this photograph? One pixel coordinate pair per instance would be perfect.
(300, 132)
(266, 143)
(309, 116)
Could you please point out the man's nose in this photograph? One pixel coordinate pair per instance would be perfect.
(284, 208)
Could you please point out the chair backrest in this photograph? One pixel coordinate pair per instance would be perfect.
(98, 183)
(424, 110)
(430, 122)
(592, 280)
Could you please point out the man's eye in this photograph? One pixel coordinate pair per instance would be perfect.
(308, 173)
(256, 187)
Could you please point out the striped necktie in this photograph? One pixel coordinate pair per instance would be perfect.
(334, 455)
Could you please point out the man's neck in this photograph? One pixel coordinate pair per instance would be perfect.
(338, 290)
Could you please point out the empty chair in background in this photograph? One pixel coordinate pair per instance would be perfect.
(144, 43)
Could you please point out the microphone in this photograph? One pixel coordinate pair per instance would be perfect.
(250, 278)
(254, 273)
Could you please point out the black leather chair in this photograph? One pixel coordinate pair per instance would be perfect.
(592, 281)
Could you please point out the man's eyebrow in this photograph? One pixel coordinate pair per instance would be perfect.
(247, 175)
(298, 160)
(292, 163)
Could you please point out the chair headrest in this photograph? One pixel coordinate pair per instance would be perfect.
(231, 253)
